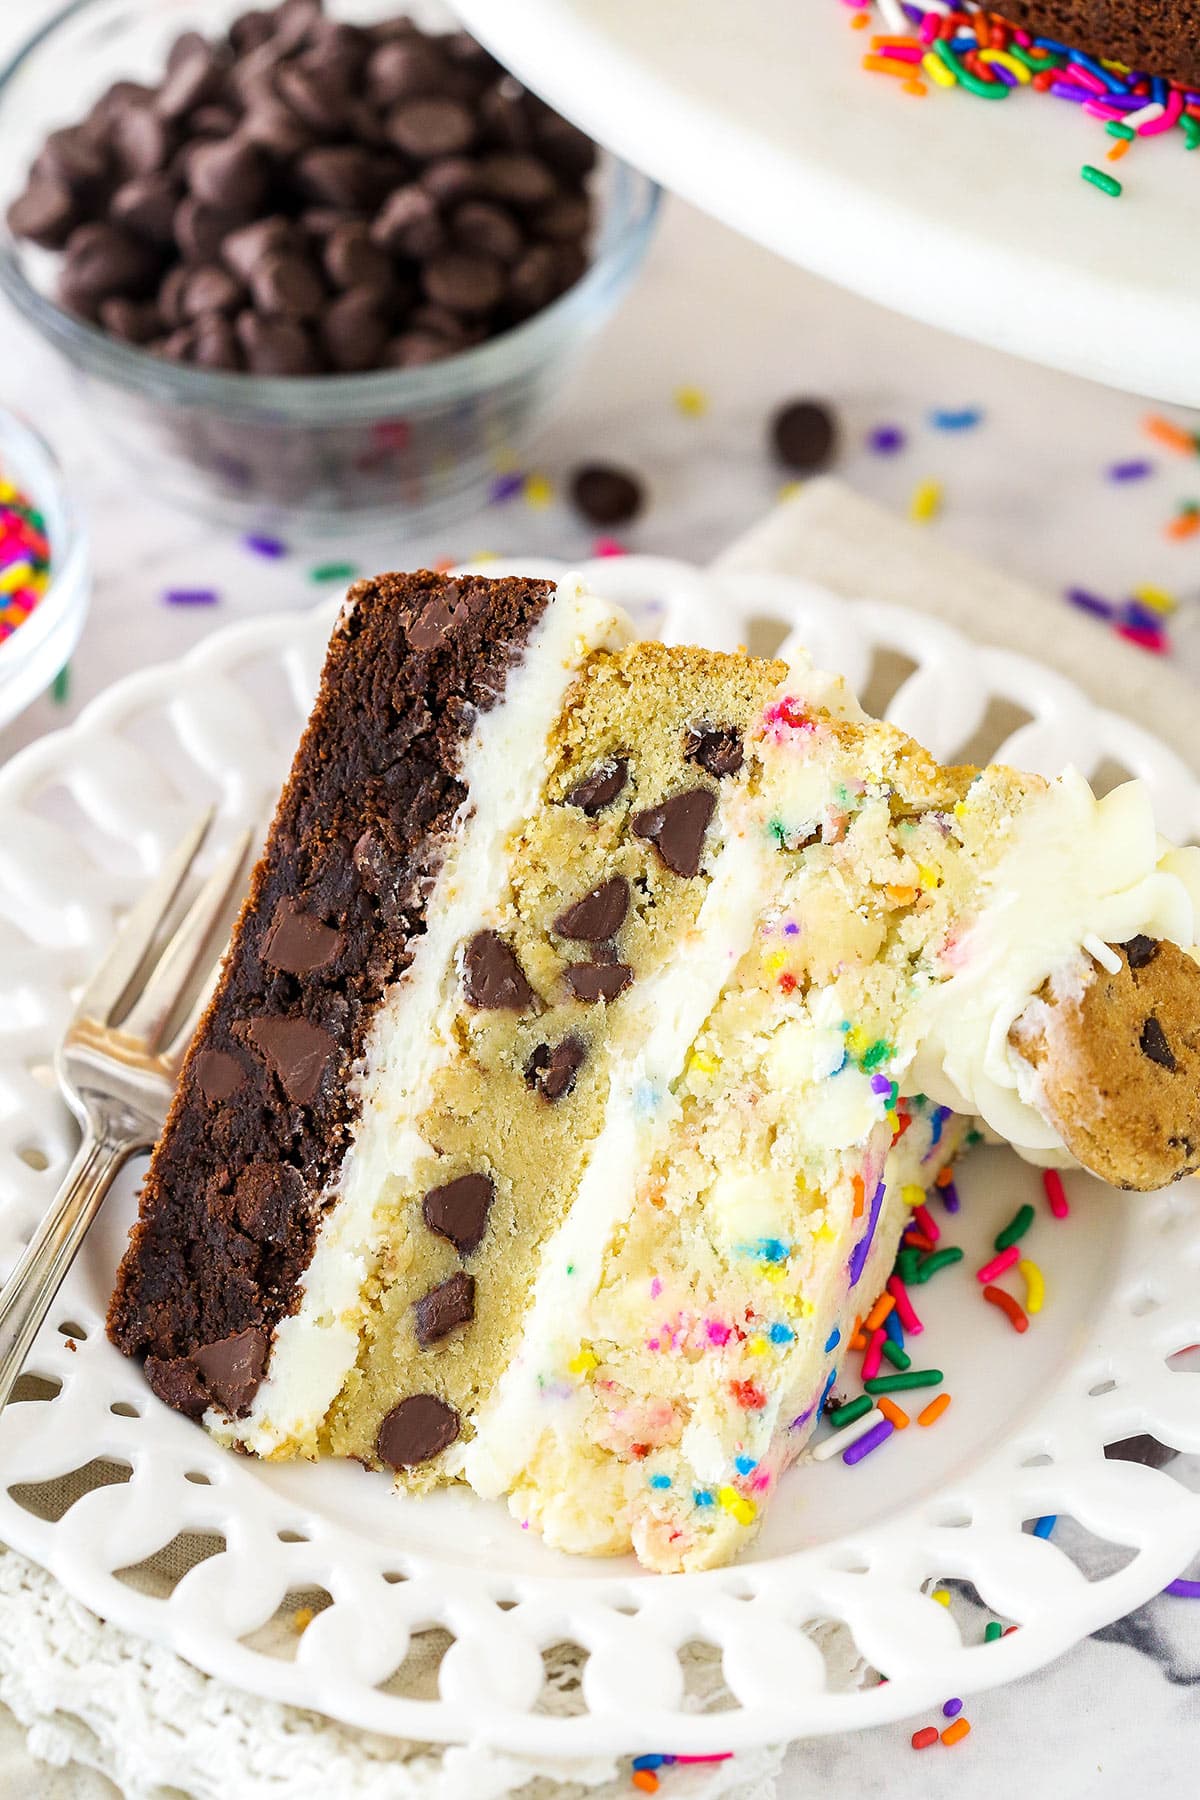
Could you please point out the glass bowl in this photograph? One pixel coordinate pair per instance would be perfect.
(407, 448)
(39, 648)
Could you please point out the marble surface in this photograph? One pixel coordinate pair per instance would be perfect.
(1025, 489)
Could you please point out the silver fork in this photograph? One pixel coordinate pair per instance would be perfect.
(117, 1069)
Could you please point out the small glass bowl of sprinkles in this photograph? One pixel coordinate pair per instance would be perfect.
(44, 573)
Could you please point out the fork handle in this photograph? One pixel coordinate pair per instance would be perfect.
(29, 1293)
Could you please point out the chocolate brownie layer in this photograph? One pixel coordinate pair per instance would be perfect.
(1160, 37)
(263, 1112)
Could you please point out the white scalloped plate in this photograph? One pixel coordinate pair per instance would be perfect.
(84, 818)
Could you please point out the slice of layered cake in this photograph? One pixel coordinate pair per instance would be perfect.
(598, 1014)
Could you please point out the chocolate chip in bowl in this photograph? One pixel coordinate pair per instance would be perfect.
(316, 260)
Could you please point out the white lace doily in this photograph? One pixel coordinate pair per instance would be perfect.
(221, 1559)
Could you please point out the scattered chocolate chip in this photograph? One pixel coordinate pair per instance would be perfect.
(601, 787)
(1140, 950)
(594, 981)
(146, 206)
(295, 1050)
(552, 1071)
(298, 943)
(677, 828)
(428, 128)
(103, 260)
(492, 976)
(420, 1427)
(228, 175)
(717, 748)
(599, 915)
(134, 321)
(276, 346)
(606, 495)
(209, 289)
(518, 176)
(459, 1210)
(352, 261)
(46, 213)
(804, 435)
(218, 1074)
(1143, 1448)
(482, 226)
(286, 285)
(355, 331)
(1153, 1044)
(449, 1304)
(232, 1369)
(464, 281)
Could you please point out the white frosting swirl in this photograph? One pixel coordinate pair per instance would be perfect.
(1078, 867)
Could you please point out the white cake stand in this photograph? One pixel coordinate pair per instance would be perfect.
(970, 216)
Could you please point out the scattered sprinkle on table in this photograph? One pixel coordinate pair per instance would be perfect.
(692, 402)
(538, 492)
(926, 501)
(1044, 1526)
(60, 687)
(1016, 1228)
(954, 1734)
(333, 571)
(870, 1440)
(905, 1379)
(1135, 469)
(259, 544)
(952, 1708)
(886, 440)
(191, 596)
(1108, 184)
(1183, 1590)
(506, 487)
(925, 1738)
(964, 418)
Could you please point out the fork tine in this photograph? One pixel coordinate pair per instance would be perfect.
(170, 980)
(103, 992)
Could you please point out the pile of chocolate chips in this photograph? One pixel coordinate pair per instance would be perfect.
(305, 196)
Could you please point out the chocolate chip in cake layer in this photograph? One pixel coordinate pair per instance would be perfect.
(552, 1071)
(450, 1304)
(232, 1369)
(459, 1210)
(606, 495)
(1153, 1044)
(295, 1050)
(600, 788)
(218, 1075)
(420, 1427)
(1143, 1448)
(266, 1197)
(298, 943)
(1140, 950)
(599, 915)
(677, 828)
(717, 748)
(492, 976)
(445, 613)
(804, 436)
(593, 981)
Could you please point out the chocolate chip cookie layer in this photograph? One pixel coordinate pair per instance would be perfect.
(428, 681)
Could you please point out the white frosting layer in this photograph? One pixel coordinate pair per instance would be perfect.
(674, 1004)
(1077, 867)
(503, 768)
